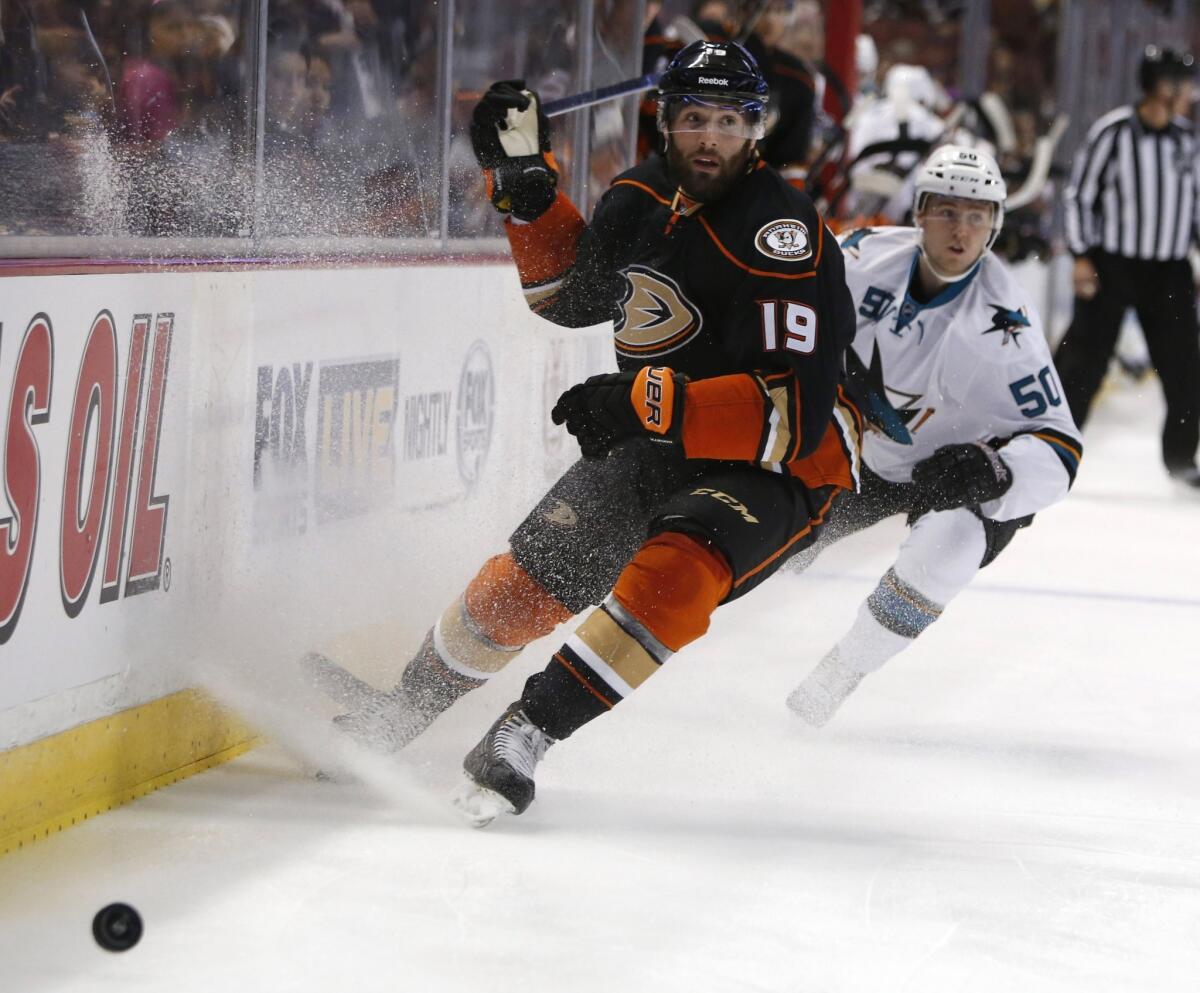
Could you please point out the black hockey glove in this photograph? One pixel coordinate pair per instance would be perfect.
(961, 476)
(511, 138)
(607, 409)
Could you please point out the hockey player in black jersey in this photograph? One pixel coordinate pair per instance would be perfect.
(712, 456)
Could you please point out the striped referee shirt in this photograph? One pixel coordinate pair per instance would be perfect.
(1133, 189)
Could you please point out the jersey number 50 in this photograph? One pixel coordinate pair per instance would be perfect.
(1032, 401)
(799, 330)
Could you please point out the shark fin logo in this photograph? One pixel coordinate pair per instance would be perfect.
(895, 413)
(655, 315)
(1010, 322)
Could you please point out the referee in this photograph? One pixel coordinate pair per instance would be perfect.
(1132, 206)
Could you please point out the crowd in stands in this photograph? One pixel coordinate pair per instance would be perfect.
(141, 117)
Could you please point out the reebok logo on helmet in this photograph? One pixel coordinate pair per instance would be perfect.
(713, 81)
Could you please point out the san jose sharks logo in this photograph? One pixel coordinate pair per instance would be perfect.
(851, 242)
(1008, 321)
(886, 409)
(655, 317)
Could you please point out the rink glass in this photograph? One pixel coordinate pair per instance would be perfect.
(281, 128)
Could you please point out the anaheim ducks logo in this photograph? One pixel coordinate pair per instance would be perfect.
(786, 239)
(655, 315)
(562, 513)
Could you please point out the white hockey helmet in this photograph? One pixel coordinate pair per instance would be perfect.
(965, 173)
(904, 83)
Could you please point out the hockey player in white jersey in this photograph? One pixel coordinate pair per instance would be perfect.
(970, 435)
(888, 136)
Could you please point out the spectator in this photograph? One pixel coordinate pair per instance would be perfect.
(149, 103)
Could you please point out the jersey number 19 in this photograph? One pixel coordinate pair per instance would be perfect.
(799, 330)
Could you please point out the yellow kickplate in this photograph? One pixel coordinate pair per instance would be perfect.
(58, 781)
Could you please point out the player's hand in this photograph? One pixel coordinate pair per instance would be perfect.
(508, 123)
(1084, 278)
(510, 135)
(961, 476)
(607, 409)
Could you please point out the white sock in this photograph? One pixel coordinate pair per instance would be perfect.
(868, 644)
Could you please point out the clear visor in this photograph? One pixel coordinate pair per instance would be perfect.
(975, 215)
(689, 114)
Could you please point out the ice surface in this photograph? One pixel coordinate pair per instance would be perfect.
(1012, 805)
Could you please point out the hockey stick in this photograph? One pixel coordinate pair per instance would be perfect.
(614, 91)
(602, 94)
(751, 22)
(1039, 168)
(686, 29)
(339, 684)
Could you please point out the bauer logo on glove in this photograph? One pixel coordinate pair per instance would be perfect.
(655, 400)
(608, 409)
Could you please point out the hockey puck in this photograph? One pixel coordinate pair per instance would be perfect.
(117, 927)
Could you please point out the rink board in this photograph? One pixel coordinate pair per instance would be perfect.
(203, 465)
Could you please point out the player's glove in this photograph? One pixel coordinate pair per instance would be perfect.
(961, 476)
(511, 138)
(607, 409)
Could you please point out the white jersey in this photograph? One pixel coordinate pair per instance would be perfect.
(970, 365)
(883, 181)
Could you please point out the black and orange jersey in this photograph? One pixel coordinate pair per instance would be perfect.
(745, 295)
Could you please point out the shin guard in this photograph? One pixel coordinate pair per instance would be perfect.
(501, 611)
(662, 601)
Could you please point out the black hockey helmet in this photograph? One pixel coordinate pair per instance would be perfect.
(714, 68)
(712, 71)
(1164, 63)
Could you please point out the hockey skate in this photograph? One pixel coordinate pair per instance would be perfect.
(1186, 479)
(499, 769)
(823, 690)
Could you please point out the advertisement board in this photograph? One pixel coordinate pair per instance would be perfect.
(95, 434)
(190, 456)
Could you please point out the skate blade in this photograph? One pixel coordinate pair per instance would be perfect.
(804, 707)
(477, 805)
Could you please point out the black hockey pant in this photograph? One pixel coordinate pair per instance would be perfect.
(1164, 297)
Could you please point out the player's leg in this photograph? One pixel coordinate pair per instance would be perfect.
(711, 543)
(502, 609)
(876, 500)
(1083, 355)
(941, 555)
(1167, 311)
(562, 559)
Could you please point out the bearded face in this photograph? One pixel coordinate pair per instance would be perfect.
(708, 147)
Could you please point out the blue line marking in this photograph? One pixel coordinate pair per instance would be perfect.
(1156, 601)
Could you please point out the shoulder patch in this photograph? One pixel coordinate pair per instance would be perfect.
(1009, 322)
(785, 239)
(851, 242)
